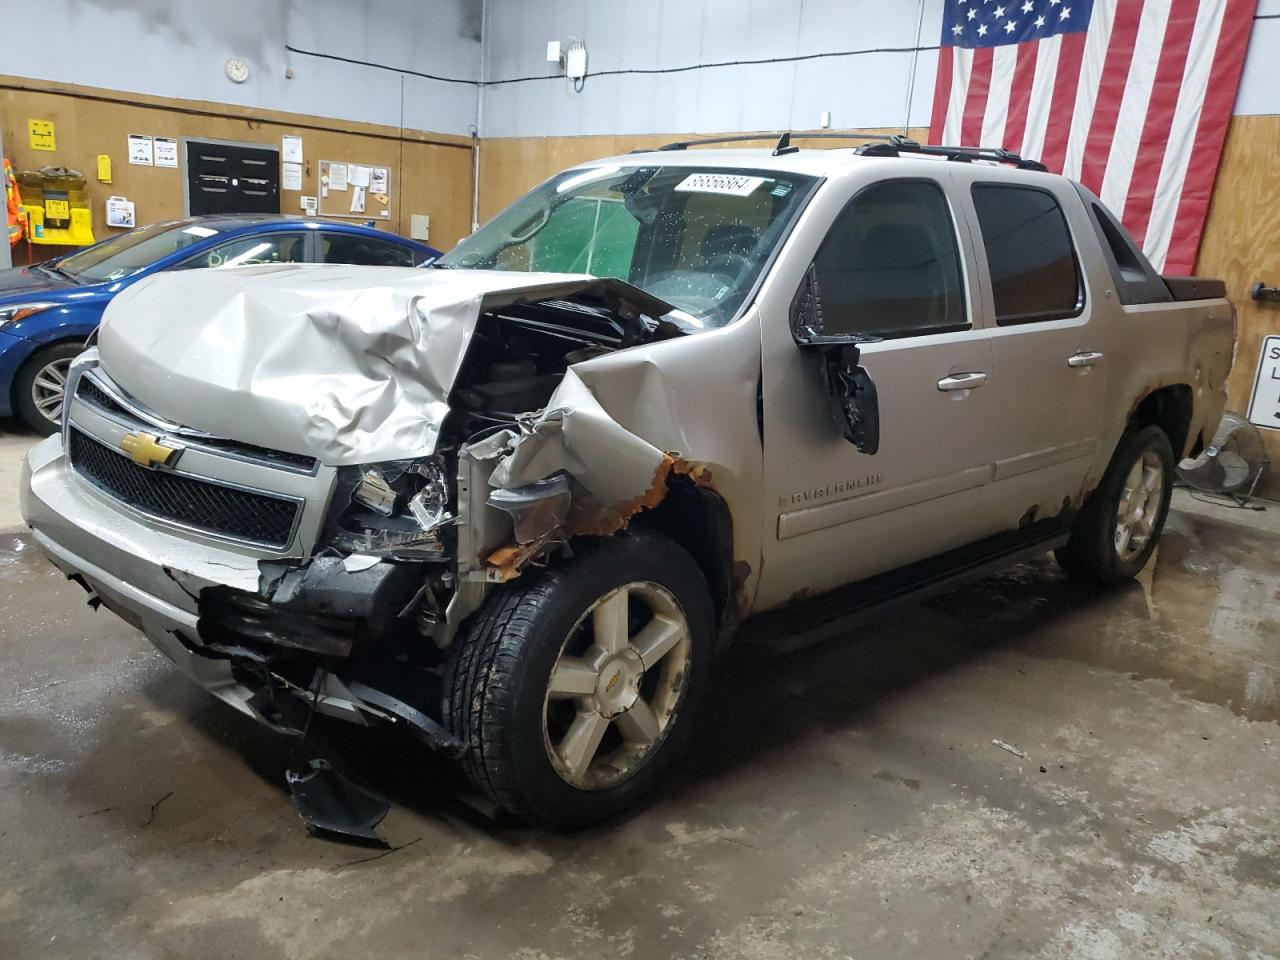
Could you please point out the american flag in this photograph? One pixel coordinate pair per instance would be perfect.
(1130, 97)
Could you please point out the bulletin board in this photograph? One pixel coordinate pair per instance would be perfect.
(356, 191)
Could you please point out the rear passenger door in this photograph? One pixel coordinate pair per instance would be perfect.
(1049, 380)
(362, 250)
(892, 265)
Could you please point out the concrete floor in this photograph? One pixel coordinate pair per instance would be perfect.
(843, 802)
(15, 440)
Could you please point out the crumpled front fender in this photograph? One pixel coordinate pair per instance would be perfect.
(622, 426)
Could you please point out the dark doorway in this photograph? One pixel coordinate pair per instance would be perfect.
(228, 178)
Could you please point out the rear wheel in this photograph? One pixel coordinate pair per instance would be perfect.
(1116, 532)
(575, 687)
(41, 384)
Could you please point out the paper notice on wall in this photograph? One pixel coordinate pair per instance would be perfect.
(378, 180)
(310, 205)
(358, 175)
(141, 149)
(291, 176)
(357, 199)
(120, 213)
(166, 152)
(291, 149)
(337, 176)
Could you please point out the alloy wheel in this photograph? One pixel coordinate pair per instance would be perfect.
(616, 686)
(49, 389)
(1139, 506)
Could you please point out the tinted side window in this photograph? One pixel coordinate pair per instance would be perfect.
(1034, 275)
(258, 249)
(363, 251)
(890, 266)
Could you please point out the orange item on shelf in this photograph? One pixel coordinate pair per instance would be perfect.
(13, 205)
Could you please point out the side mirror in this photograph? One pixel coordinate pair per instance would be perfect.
(849, 386)
(851, 390)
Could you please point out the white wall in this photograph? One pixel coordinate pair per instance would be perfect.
(869, 90)
(177, 48)
(1260, 82)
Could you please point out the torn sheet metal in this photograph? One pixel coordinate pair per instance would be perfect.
(577, 435)
(348, 364)
(537, 510)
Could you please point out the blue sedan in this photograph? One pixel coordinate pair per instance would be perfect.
(47, 310)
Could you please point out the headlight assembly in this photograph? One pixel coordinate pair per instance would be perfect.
(20, 311)
(393, 509)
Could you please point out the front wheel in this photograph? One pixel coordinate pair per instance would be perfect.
(1116, 532)
(41, 385)
(575, 687)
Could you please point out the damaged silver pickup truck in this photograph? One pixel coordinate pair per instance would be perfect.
(519, 502)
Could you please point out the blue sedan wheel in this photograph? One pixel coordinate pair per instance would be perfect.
(49, 388)
(42, 385)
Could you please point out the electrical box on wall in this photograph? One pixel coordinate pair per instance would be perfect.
(553, 51)
(575, 62)
(420, 226)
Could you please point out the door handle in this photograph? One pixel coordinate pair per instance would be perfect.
(962, 381)
(1085, 358)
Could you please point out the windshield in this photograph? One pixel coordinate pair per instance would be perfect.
(133, 251)
(695, 237)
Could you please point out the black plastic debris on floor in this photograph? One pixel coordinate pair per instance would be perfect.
(336, 807)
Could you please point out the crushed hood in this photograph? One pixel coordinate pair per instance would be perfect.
(347, 364)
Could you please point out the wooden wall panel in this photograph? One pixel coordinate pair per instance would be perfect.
(431, 173)
(1242, 245)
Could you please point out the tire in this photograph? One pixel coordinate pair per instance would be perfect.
(526, 744)
(1100, 551)
(33, 386)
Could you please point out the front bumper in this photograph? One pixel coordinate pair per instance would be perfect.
(146, 576)
(151, 578)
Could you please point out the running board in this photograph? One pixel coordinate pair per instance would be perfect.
(824, 617)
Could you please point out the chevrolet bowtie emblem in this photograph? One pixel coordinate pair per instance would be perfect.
(146, 450)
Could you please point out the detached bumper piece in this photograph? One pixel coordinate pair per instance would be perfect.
(332, 804)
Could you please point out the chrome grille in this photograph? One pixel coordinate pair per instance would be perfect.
(214, 508)
(89, 391)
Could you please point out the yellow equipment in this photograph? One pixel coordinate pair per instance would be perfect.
(56, 207)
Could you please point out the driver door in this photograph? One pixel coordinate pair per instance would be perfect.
(891, 264)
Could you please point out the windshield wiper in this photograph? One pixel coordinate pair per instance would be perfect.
(59, 272)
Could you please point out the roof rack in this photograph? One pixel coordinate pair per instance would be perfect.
(900, 145)
(783, 139)
(881, 145)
